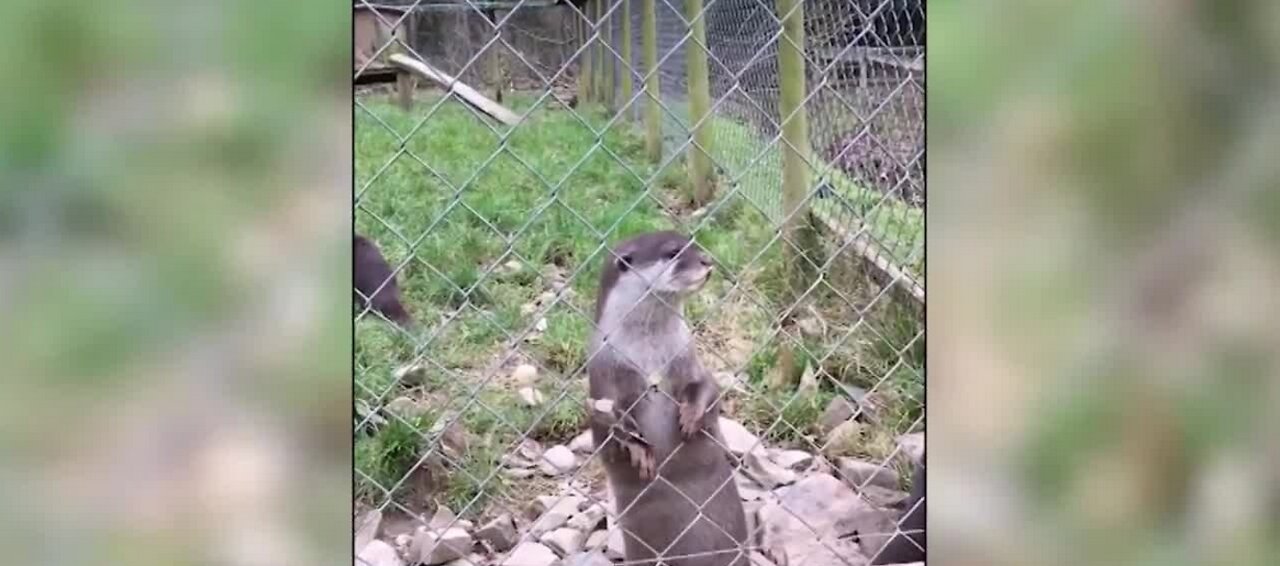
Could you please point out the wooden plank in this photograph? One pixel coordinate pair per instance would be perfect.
(861, 243)
(377, 75)
(470, 95)
(916, 65)
(910, 58)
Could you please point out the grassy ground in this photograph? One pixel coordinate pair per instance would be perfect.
(490, 235)
(754, 165)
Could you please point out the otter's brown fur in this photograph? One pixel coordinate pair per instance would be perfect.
(675, 422)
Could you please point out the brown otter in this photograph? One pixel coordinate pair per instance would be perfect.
(371, 272)
(653, 413)
(907, 544)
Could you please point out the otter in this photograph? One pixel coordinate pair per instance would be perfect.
(654, 414)
(907, 544)
(371, 272)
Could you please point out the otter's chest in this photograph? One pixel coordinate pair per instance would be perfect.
(652, 354)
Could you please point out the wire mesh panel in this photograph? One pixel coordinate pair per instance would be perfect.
(522, 144)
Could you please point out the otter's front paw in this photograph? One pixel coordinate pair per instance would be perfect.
(691, 417)
(642, 459)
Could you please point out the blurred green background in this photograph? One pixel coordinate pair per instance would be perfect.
(175, 340)
(174, 283)
(1102, 264)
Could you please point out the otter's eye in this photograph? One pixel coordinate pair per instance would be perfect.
(671, 254)
(624, 263)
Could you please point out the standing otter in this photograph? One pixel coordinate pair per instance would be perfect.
(907, 545)
(371, 272)
(654, 410)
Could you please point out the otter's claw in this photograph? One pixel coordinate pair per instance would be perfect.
(643, 460)
(691, 418)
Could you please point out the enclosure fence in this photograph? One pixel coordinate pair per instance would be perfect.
(520, 142)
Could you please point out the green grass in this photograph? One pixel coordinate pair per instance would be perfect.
(547, 197)
(756, 167)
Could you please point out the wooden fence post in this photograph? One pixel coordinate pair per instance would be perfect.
(405, 82)
(625, 68)
(496, 71)
(610, 61)
(795, 173)
(652, 112)
(597, 88)
(700, 171)
(584, 64)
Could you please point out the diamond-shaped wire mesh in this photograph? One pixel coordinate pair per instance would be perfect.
(494, 188)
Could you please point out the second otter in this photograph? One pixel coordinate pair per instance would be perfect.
(654, 410)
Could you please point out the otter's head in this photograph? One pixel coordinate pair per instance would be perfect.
(663, 264)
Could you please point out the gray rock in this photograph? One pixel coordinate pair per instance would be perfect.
(500, 534)
(410, 375)
(557, 460)
(453, 437)
(882, 497)
(519, 473)
(511, 267)
(529, 449)
(598, 541)
(530, 554)
(403, 540)
(526, 455)
(557, 511)
(434, 547)
(821, 500)
(871, 528)
(378, 553)
(367, 528)
(812, 326)
(530, 396)
(564, 541)
(615, 548)
(586, 559)
(588, 519)
(751, 510)
(858, 474)
(583, 443)
(748, 489)
(368, 415)
(524, 374)
(844, 438)
(442, 519)
(737, 438)
(724, 379)
(838, 411)
(767, 473)
(543, 503)
(808, 382)
(796, 460)
(912, 447)
(405, 407)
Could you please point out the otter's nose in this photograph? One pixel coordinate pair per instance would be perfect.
(707, 264)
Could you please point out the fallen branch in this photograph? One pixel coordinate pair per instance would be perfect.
(451, 84)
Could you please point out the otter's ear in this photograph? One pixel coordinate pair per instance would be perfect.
(623, 261)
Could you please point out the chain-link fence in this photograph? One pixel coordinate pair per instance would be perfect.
(522, 143)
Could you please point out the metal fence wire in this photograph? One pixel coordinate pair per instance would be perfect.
(503, 150)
